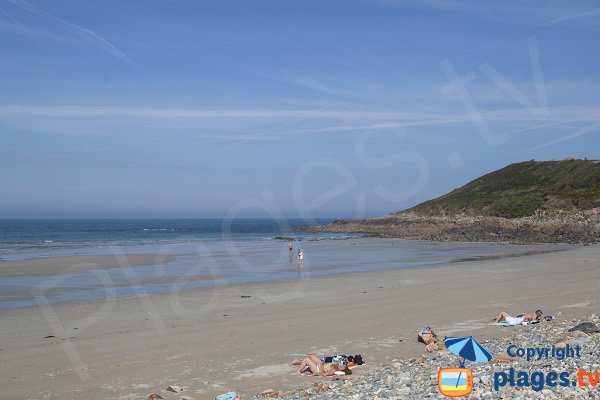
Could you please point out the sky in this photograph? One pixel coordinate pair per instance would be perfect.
(274, 109)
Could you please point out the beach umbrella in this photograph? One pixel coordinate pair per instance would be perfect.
(468, 348)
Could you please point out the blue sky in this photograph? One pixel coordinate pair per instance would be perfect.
(276, 108)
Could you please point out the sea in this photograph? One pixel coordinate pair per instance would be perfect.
(20, 238)
(192, 254)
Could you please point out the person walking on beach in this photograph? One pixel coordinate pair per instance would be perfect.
(300, 256)
(291, 247)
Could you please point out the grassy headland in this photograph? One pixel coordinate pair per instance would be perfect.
(526, 202)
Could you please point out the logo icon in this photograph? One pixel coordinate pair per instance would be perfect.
(455, 382)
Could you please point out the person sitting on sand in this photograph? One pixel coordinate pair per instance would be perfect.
(529, 317)
(320, 368)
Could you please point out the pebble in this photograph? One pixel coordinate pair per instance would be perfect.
(174, 389)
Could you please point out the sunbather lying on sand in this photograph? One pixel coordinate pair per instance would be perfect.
(536, 315)
(352, 360)
(318, 367)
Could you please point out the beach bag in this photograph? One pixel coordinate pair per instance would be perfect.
(427, 336)
(340, 360)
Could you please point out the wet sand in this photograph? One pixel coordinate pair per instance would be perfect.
(212, 340)
(162, 269)
(71, 264)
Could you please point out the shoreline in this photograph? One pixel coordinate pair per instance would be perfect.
(243, 337)
(79, 278)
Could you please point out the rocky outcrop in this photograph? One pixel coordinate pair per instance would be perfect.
(542, 227)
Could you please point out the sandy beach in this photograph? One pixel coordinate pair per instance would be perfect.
(242, 337)
(195, 194)
(56, 265)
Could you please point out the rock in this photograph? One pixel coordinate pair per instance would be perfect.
(586, 327)
(403, 380)
(270, 393)
(154, 396)
(285, 238)
(322, 387)
(578, 334)
(504, 358)
(403, 391)
(175, 389)
(431, 347)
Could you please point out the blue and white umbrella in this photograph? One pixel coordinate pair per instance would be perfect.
(468, 348)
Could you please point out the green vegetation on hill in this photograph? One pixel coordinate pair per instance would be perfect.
(520, 189)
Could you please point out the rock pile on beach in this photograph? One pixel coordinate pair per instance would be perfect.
(559, 227)
(416, 378)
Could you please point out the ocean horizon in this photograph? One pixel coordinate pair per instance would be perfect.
(41, 237)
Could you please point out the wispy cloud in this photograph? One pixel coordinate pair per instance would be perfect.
(507, 11)
(256, 124)
(312, 83)
(580, 132)
(15, 28)
(18, 111)
(584, 14)
(84, 34)
(587, 112)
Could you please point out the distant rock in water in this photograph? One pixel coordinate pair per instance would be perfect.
(341, 221)
(286, 238)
